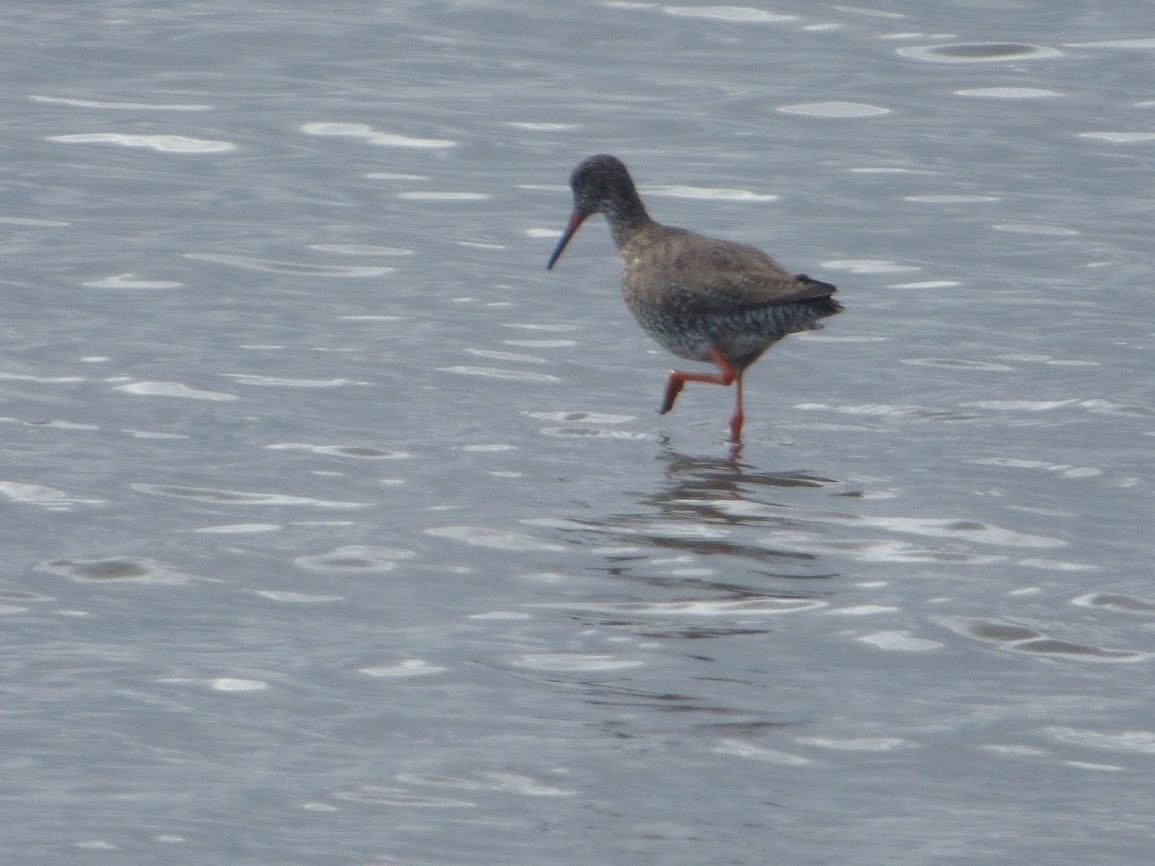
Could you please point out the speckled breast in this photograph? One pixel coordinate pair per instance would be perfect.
(741, 336)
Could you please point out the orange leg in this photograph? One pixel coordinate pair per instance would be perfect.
(727, 376)
(739, 416)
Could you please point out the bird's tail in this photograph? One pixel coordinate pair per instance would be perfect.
(810, 281)
(823, 305)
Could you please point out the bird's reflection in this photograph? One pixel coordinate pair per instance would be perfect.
(700, 529)
(693, 478)
(693, 560)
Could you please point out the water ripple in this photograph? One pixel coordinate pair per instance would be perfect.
(377, 795)
(129, 281)
(541, 344)
(434, 195)
(573, 662)
(162, 143)
(834, 109)
(743, 608)
(402, 669)
(125, 106)
(28, 377)
(1120, 137)
(926, 284)
(855, 744)
(508, 782)
(356, 558)
(537, 326)
(884, 410)
(499, 373)
(933, 527)
(220, 684)
(1009, 92)
(1056, 564)
(734, 14)
(899, 641)
(46, 497)
(951, 199)
(531, 126)
(238, 497)
(1117, 602)
(361, 250)
(956, 364)
(969, 530)
(235, 684)
(29, 221)
(872, 550)
(373, 136)
(295, 597)
(1064, 470)
(1028, 640)
(708, 193)
(1141, 742)
(515, 357)
(279, 382)
(358, 452)
(1145, 42)
(584, 417)
(130, 569)
(868, 266)
(871, 13)
(294, 268)
(1094, 406)
(743, 749)
(979, 52)
(595, 433)
(1021, 405)
(394, 175)
(173, 389)
(1035, 229)
(495, 539)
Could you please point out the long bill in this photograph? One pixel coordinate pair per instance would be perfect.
(575, 222)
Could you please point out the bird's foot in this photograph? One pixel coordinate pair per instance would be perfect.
(736, 421)
(674, 385)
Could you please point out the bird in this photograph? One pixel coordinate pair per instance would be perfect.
(701, 298)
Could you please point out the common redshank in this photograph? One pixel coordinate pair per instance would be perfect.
(701, 298)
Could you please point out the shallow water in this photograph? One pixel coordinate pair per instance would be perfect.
(339, 531)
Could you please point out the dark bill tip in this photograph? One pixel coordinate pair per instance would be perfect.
(575, 222)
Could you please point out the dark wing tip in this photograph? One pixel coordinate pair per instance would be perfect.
(818, 284)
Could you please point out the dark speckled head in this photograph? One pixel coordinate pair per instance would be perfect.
(601, 184)
(598, 182)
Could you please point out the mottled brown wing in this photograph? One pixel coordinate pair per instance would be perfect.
(716, 277)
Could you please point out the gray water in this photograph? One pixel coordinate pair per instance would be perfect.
(337, 530)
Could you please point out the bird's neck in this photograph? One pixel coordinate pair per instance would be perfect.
(625, 216)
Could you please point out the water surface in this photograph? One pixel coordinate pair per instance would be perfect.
(340, 531)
